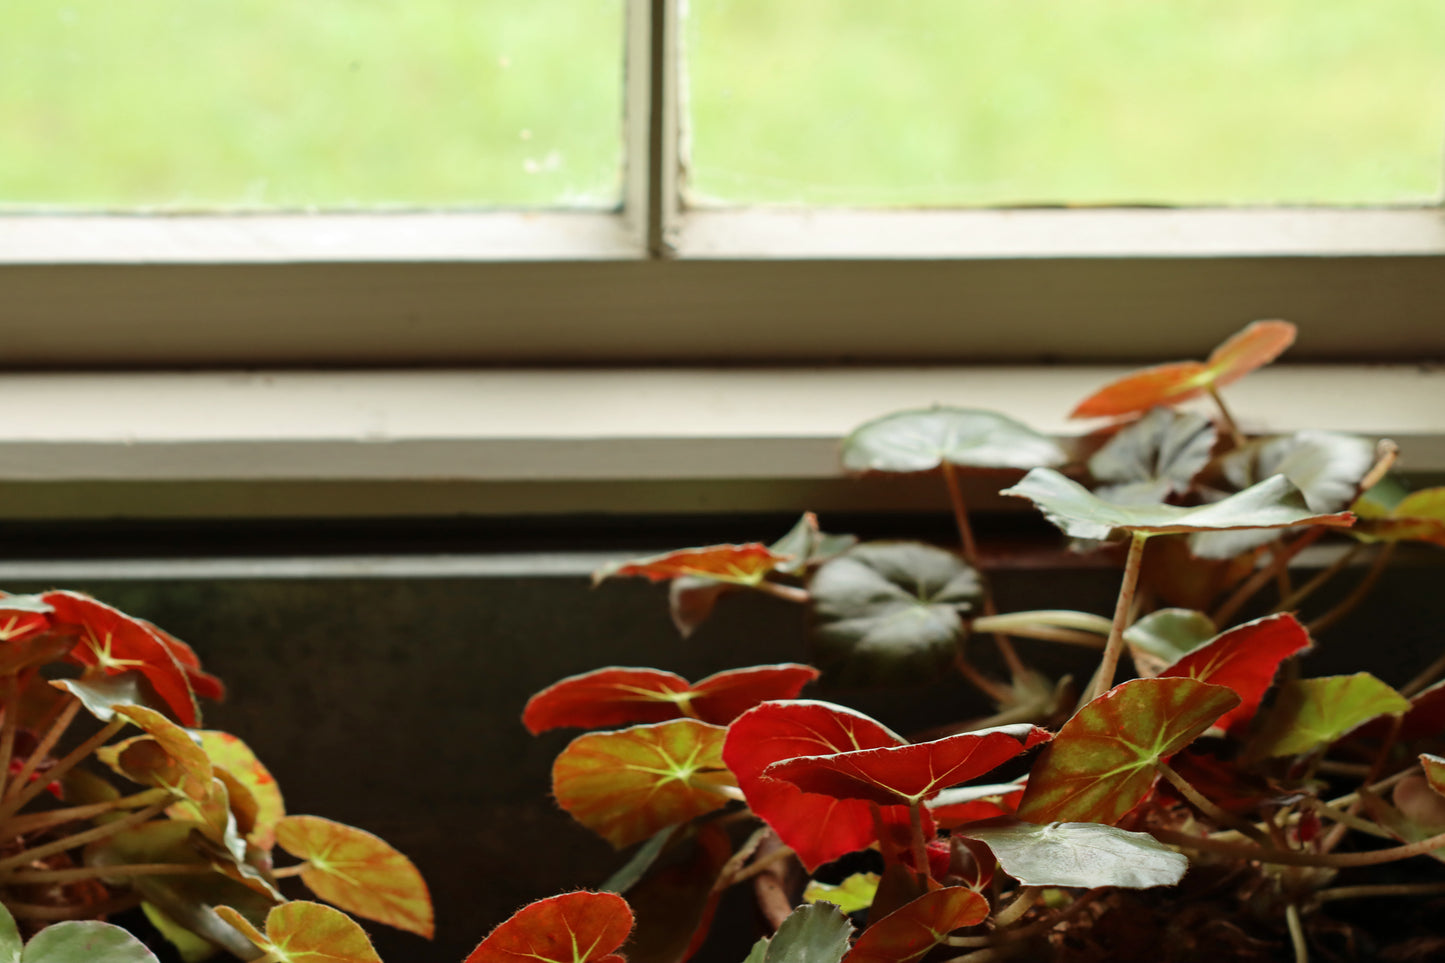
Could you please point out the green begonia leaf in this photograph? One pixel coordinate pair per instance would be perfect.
(10, 943)
(85, 941)
(1416, 517)
(1153, 458)
(853, 894)
(888, 612)
(1161, 637)
(909, 441)
(1079, 854)
(1273, 503)
(1309, 713)
(817, 933)
(1325, 466)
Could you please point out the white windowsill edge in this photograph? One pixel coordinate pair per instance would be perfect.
(60, 239)
(618, 425)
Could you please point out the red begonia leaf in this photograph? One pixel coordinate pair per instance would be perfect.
(30, 649)
(22, 615)
(571, 928)
(619, 696)
(1170, 384)
(908, 933)
(1245, 659)
(1102, 762)
(628, 784)
(966, 804)
(818, 828)
(203, 683)
(114, 642)
(735, 564)
(907, 775)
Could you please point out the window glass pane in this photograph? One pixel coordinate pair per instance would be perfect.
(982, 102)
(264, 104)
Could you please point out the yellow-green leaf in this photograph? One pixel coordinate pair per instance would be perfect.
(627, 785)
(1309, 713)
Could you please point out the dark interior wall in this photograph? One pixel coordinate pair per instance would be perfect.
(393, 703)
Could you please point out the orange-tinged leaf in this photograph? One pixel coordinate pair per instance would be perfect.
(1254, 347)
(571, 928)
(627, 785)
(735, 564)
(114, 642)
(305, 932)
(618, 696)
(1165, 384)
(911, 931)
(358, 872)
(192, 774)
(231, 754)
(1170, 384)
(1103, 760)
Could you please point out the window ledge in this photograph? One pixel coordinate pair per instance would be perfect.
(537, 438)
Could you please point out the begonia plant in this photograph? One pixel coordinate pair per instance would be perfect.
(1214, 803)
(113, 797)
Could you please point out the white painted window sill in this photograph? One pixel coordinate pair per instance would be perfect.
(567, 440)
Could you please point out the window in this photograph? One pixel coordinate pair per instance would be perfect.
(655, 282)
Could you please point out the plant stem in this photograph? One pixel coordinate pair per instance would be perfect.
(1424, 680)
(1386, 451)
(98, 872)
(760, 865)
(996, 691)
(79, 839)
(49, 818)
(960, 514)
(1279, 857)
(1207, 806)
(1230, 425)
(7, 730)
(1357, 596)
(1073, 628)
(1264, 576)
(1021, 904)
(15, 803)
(1346, 818)
(1293, 599)
(1384, 889)
(1109, 664)
(1005, 647)
(42, 749)
(920, 847)
(80, 911)
(1296, 933)
(788, 593)
(1086, 622)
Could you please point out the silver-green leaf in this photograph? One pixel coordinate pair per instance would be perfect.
(1079, 854)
